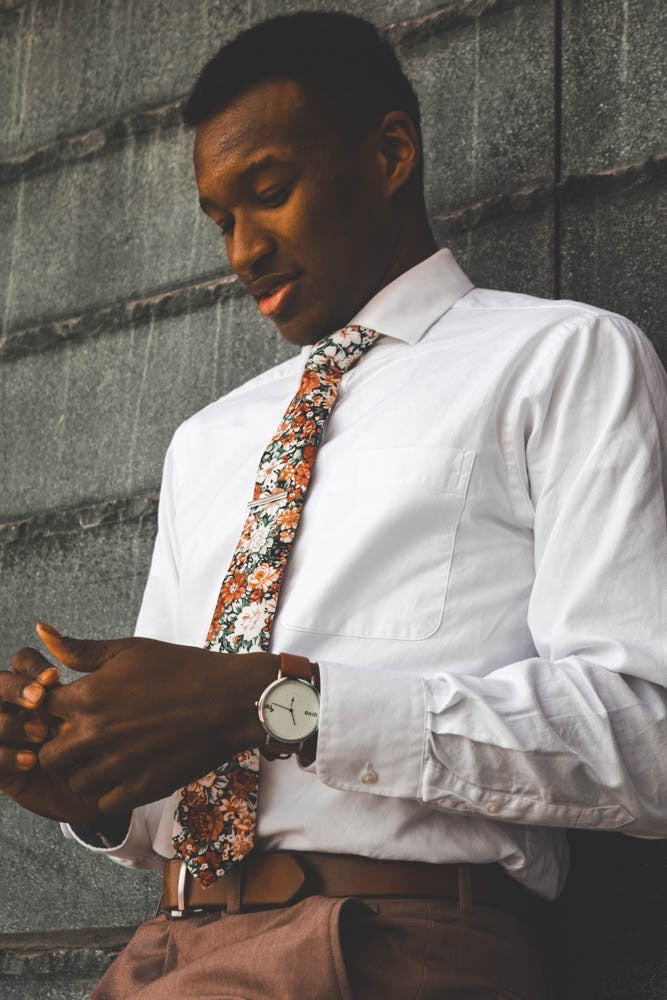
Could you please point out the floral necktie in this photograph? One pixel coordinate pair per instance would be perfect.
(216, 815)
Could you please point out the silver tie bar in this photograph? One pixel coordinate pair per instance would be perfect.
(265, 501)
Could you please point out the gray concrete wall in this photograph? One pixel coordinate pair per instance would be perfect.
(545, 174)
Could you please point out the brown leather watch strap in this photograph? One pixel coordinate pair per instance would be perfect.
(292, 665)
(308, 751)
(275, 750)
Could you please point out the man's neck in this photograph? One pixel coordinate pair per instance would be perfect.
(407, 253)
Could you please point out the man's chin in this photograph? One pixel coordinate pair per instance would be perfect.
(299, 332)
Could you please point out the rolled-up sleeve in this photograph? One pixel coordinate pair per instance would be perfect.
(576, 735)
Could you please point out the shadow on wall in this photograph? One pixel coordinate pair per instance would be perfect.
(608, 935)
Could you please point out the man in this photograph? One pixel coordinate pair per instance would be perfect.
(474, 583)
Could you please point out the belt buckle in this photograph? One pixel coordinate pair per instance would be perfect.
(181, 911)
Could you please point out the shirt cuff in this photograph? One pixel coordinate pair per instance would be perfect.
(372, 730)
(131, 851)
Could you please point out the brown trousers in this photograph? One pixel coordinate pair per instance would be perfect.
(323, 948)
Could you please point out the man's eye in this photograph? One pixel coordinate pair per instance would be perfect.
(275, 198)
(272, 199)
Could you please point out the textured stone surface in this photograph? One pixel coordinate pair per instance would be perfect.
(29, 963)
(71, 65)
(132, 312)
(106, 228)
(47, 987)
(10, 206)
(512, 250)
(48, 881)
(84, 579)
(93, 419)
(486, 91)
(43, 969)
(88, 582)
(126, 221)
(613, 102)
(613, 254)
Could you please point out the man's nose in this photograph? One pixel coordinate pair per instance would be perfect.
(247, 244)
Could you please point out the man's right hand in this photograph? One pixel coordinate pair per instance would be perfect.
(24, 727)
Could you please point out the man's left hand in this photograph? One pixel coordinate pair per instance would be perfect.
(150, 716)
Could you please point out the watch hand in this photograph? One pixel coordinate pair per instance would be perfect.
(278, 705)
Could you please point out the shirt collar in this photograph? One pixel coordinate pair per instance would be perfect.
(410, 304)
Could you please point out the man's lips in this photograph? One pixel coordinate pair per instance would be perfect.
(273, 301)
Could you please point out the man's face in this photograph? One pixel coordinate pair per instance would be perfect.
(299, 210)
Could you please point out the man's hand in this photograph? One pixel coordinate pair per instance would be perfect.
(24, 726)
(150, 716)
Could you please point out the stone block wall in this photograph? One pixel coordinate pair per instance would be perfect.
(545, 174)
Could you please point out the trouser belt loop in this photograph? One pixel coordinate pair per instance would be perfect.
(465, 889)
(234, 880)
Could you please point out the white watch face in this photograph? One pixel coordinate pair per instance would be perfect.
(289, 709)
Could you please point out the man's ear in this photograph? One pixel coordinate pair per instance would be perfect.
(398, 149)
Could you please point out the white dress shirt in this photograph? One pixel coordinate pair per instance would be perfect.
(479, 571)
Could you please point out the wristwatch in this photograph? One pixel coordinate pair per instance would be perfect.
(289, 710)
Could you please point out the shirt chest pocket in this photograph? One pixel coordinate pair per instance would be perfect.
(374, 548)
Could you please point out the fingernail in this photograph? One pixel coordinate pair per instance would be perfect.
(48, 675)
(36, 730)
(49, 628)
(32, 693)
(25, 759)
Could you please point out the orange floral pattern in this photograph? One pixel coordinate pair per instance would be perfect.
(214, 824)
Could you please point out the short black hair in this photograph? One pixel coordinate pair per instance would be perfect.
(339, 59)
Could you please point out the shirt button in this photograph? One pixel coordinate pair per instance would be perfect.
(493, 806)
(369, 776)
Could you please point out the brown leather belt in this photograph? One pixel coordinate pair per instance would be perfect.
(265, 880)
